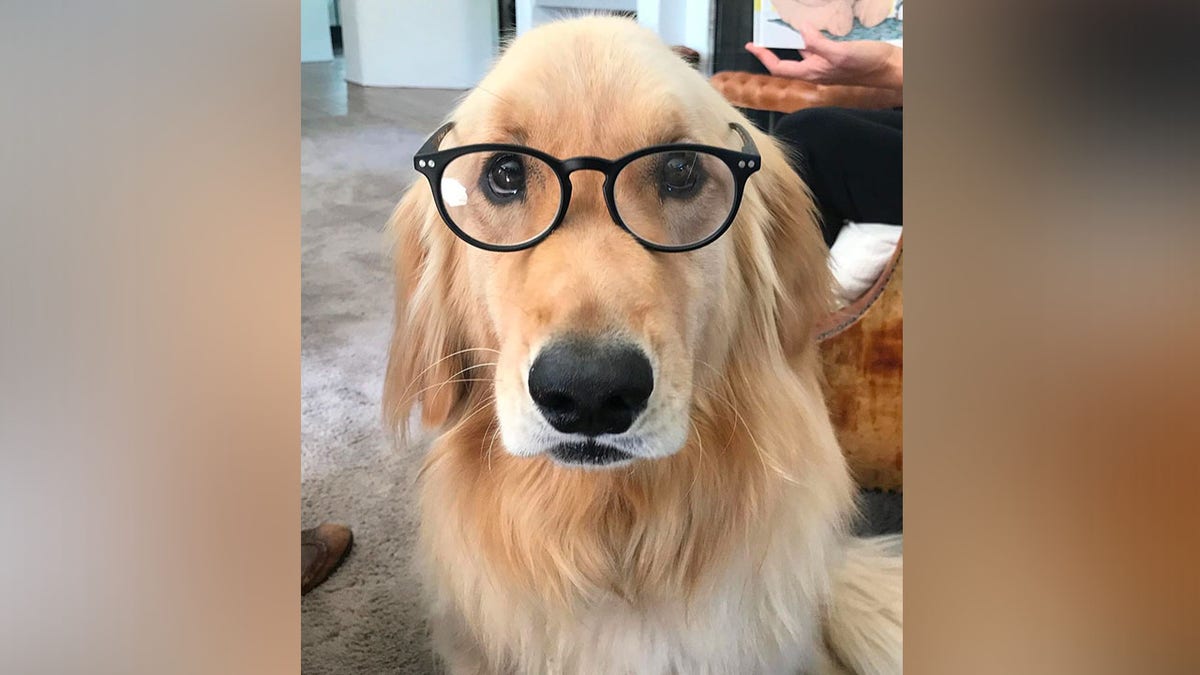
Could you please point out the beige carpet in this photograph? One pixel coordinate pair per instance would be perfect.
(356, 158)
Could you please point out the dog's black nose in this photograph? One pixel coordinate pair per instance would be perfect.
(589, 387)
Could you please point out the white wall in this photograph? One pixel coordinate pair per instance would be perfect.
(415, 43)
(677, 22)
(315, 42)
(681, 22)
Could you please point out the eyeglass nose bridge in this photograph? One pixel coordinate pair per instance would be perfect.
(605, 167)
(600, 164)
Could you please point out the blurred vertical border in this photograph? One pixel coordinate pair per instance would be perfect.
(1052, 313)
(149, 357)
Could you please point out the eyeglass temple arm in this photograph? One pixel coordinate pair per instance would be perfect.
(748, 146)
(435, 140)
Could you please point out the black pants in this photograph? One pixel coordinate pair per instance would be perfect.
(852, 160)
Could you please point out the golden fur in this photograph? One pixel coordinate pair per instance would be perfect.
(722, 555)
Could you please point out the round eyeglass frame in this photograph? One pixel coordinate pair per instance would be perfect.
(431, 163)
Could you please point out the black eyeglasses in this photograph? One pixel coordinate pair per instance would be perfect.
(675, 197)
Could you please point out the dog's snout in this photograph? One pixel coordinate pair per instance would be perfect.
(590, 387)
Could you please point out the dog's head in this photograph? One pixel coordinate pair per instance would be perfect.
(590, 347)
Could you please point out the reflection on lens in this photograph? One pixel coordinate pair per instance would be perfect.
(500, 198)
(674, 198)
(453, 192)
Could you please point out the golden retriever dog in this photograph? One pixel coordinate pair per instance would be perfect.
(633, 469)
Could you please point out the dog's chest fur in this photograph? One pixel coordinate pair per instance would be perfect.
(756, 608)
(763, 622)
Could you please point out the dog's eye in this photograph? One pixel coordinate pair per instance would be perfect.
(679, 173)
(505, 177)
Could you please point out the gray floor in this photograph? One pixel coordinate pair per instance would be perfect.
(356, 159)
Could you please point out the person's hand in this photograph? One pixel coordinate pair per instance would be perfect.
(858, 62)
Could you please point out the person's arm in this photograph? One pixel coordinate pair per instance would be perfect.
(866, 63)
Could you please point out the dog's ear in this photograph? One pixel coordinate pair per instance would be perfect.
(804, 291)
(425, 358)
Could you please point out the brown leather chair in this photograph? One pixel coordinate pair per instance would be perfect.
(862, 348)
(783, 95)
(862, 344)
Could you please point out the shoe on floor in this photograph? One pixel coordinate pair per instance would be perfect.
(322, 549)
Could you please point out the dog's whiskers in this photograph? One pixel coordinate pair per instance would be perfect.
(462, 380)
(486, 404)
(492, 444)
(699, 458)
(406, 399)
(416, 378)
(451, 379)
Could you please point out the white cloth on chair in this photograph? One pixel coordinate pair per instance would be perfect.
(859, 256)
